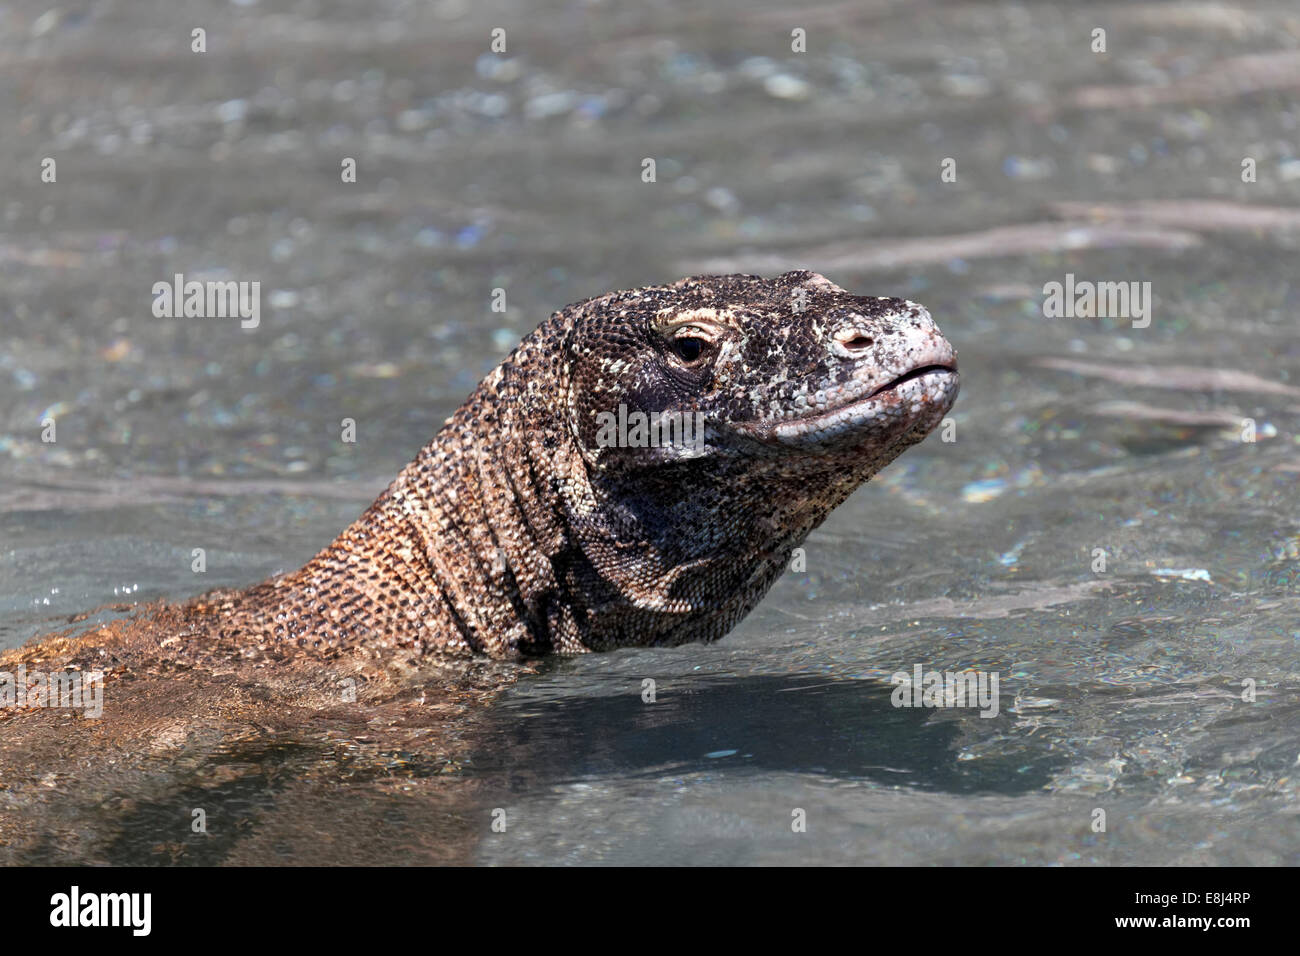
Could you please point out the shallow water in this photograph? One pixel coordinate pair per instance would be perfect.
(1120, 689)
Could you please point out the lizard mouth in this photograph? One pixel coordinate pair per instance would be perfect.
(911, 376)
(921, 395)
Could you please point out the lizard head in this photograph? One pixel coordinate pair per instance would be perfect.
(711, 424)
(793, 372)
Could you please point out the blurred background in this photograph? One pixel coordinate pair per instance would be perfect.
(522, 170)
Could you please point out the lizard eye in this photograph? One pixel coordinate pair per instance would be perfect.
(691, 348)
(688, 348)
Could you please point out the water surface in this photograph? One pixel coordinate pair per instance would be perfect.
(1121, 689)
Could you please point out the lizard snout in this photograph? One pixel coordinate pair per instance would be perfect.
(892, 335)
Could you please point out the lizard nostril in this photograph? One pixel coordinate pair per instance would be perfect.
(858, 342)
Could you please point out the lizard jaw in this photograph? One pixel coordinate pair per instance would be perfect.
(925, 393)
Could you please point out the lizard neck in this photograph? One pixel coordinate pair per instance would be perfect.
(459, 554)
(503, 538)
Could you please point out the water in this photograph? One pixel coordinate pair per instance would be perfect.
(1121, 689)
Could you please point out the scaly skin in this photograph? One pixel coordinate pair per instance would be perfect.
(519, 530)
